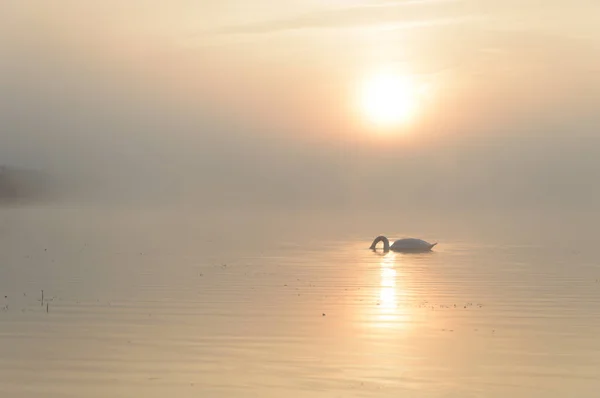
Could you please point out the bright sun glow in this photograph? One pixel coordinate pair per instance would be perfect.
(388, 99)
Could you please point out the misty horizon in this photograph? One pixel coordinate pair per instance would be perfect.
(511, 125)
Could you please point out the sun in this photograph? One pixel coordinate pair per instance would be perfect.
(388, 99)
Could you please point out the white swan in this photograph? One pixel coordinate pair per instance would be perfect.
(403, 245)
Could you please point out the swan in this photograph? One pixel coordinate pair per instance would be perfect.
(403, 245)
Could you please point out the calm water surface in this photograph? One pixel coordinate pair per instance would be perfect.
(138, 310)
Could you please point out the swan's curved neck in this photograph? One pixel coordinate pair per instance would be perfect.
(381, 238)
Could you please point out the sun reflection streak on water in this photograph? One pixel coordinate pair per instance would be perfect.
(391, 312)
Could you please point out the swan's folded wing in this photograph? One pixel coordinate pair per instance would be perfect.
(411, 244)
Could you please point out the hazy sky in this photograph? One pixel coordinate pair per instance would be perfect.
(246, 103)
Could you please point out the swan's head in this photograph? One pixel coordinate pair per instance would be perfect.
(381, 238)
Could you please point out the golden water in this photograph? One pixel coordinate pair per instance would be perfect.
(133, 309)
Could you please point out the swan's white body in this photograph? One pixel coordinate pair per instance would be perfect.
(403, 245)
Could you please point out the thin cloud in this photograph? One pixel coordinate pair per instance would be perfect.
(393, 3)
(410, 13)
